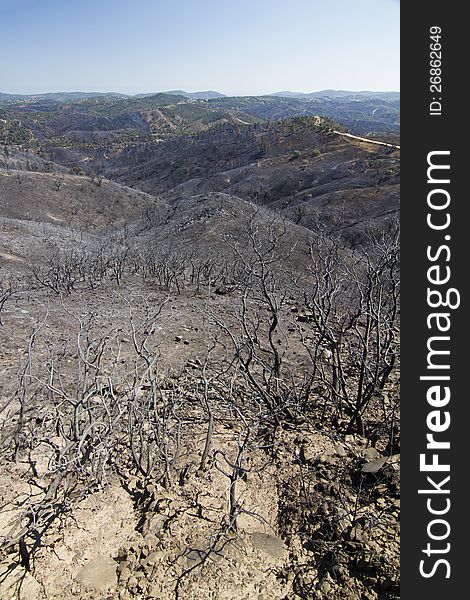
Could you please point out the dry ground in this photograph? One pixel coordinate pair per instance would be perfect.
(312, 522)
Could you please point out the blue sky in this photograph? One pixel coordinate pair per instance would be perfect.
(236, 47)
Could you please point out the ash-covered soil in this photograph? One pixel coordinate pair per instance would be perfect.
(200, 366)
(316, 508)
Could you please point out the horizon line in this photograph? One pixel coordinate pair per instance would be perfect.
(200, 91)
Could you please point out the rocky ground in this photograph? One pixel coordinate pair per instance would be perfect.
(307, 534)
(199, 366)
(316, 509)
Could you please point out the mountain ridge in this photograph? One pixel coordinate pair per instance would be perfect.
(331, 93)
(201, 95)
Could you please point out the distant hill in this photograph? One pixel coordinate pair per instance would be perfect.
(361, 114)
(203, 95)
(70, 200)
(339, 94)
(5, 97)
(295, 168)
(207, 95)
(76, 119)
(108, 119)
(59, 96)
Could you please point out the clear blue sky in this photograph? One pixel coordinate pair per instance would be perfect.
(233, 46)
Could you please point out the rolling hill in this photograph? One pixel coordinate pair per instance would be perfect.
(199, 317)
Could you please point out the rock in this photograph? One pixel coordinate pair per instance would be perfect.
(359, 534)
(327, 458)
(98, 573)
(371, 454)
(154, 591)
(340, 450)
(155, 524)
(306, 580)
(194, 557)
(269, 544)
(373, 466)
(124, 572)
(325, 587)
(152, 540)
(151, 488)
(132, 483)
(155, 557)
(178, 338)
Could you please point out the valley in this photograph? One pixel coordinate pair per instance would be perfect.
(199, 329)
